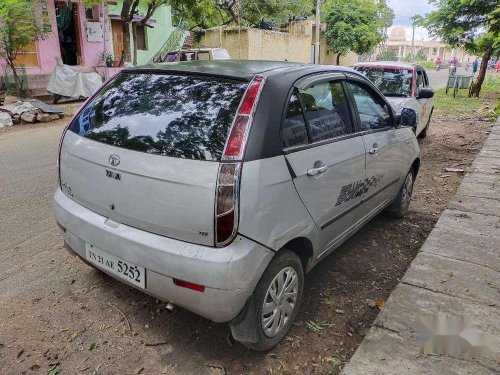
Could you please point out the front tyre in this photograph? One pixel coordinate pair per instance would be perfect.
(276, 299)
(401, 204)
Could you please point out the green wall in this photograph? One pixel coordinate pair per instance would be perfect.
(155, 36)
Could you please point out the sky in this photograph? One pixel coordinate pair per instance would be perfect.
(404, 9)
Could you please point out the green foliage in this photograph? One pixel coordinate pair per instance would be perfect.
(387, 55)
(416, 56)
(354, 25)
(465, 23)
(471, 24)
(19, 27)
(428, 64)
(210, 13)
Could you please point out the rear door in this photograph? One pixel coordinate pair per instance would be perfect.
(326, 158)
(384, 143)
(145, 152)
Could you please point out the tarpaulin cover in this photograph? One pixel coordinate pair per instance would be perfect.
(70, 81)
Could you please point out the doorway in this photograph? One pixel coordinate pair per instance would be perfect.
(117, 31)
(68, 30)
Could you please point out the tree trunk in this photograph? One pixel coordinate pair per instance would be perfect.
(476, 88)
(17, 79)
(134, 43)
(338, 58)
(126, 42)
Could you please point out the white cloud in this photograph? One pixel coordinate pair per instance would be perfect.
(404, 9)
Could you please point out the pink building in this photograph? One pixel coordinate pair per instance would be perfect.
(78, 41)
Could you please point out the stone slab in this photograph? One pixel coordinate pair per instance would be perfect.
(486, 165)
(387, 353)
(455, 278)
(477, 205)
(483, 189)
(470, 223)
(408, 304)
(465, 247)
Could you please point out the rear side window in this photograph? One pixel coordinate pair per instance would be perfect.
(181, 116)
(326, 110)
(294, 131)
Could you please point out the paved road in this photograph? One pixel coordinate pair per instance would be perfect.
(438, 79)
(28, 180)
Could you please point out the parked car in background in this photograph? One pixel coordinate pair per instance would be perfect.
(193, 54)
(217, 185)
(405, 85)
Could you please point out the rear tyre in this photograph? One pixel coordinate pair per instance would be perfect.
(276, 299)
(400, 206)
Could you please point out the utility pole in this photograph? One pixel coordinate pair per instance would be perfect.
(413, 41)
(318, 26)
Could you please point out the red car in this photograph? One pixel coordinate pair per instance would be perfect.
(405, 85)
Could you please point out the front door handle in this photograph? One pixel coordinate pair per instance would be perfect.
(317, 170)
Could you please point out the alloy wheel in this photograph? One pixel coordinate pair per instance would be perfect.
(280, 301)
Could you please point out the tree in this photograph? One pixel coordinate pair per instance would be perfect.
(18, 28)
(210, 13)
(471, 24)
(354, 25)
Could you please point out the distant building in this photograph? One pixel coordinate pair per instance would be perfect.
(293, 42)
(431, 49)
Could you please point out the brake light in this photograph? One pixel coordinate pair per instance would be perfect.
(226, 207)
(236, 141)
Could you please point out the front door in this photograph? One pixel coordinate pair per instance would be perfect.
(384, 143)
(425, 105)
(117, 31)
(326, 157)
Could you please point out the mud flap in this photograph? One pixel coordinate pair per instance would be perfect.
(244, 327)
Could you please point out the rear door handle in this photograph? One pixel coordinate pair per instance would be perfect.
(316, 171)
(373, 150)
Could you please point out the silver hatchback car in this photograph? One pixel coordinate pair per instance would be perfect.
(215, 185)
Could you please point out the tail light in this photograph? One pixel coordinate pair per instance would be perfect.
(228, 180)
(226, 209)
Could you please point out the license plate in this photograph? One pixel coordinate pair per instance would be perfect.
(123, 269)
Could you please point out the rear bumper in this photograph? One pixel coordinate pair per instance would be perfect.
(229, 274)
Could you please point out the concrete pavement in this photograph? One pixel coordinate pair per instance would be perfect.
(456, 273)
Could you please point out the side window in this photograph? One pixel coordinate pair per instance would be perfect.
(204, 55)
(426, 79)
(326, 110)
(294, 131)
(373, 111)
(420, 79)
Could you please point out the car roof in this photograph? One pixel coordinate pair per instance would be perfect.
(239, 69)
(387, 64)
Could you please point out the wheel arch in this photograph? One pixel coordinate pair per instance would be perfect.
(416, 166)
(303, 248)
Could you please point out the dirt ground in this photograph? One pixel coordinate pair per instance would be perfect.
(72, 319)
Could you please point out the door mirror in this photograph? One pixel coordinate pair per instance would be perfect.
(407, 117)
(425, 93)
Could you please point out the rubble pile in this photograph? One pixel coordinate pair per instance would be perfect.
(29, 111)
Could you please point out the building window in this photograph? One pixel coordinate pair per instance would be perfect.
(140, 32)
(91, 14)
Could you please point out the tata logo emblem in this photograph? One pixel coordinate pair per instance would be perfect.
(114, 160)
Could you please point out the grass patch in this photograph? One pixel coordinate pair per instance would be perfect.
(488, 104)
(428, 64)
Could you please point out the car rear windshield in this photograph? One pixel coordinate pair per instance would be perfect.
(173, 115)
(390, 81)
